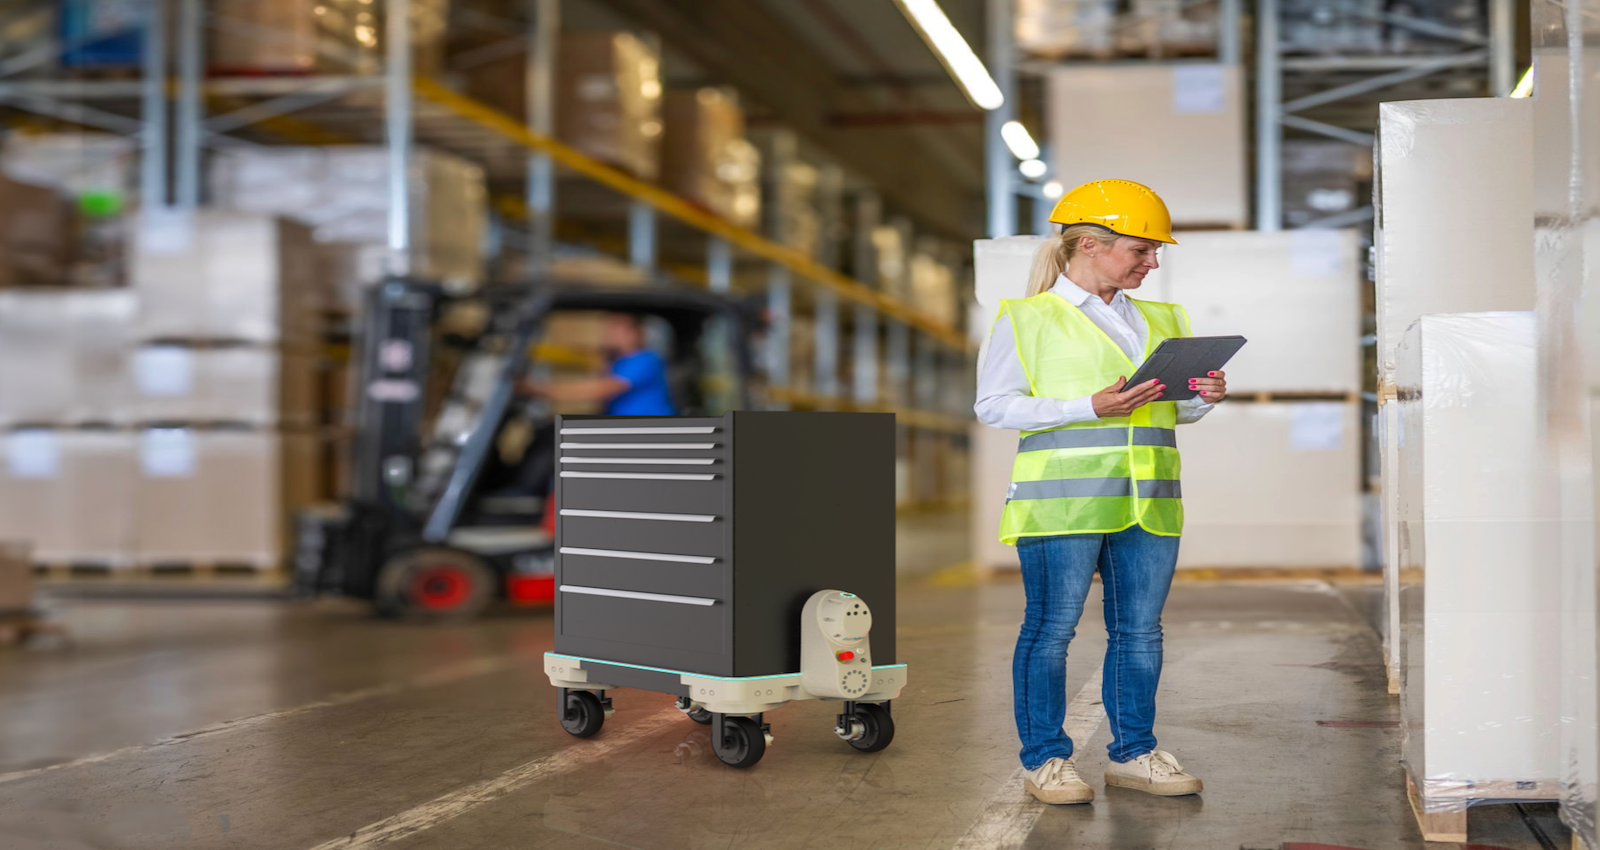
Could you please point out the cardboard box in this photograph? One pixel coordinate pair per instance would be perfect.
(342, 192)
(1480, 587)
(221, 275)
(1305, 336)
(1240, 463)
(63, 356)
(1190, 145)
(608, 99)
(993, 451)
(236, 384)
(36, 233)
(220, 496)
(1061, 28)
(330, 36)
(1442, 164)
(69, 493)
(16, 576)
(705, 156)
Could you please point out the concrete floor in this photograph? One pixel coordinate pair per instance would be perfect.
(268, 724)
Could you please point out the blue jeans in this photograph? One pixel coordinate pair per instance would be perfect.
(1136, 568)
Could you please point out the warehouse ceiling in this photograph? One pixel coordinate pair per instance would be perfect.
(853, 78)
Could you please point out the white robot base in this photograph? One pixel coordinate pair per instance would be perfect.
(734, 705)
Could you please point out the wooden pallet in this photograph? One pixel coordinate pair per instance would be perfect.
(18, 628)
(1445, 818)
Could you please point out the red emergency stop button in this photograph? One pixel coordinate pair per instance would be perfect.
(847, 655)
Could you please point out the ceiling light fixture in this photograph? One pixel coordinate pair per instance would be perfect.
(1017, 139)
(952, 49)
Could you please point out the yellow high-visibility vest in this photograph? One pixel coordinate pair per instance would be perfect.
(1100, 476)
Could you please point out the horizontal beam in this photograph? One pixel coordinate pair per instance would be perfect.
(1383, 81)
(676, 207)
(1343, 134)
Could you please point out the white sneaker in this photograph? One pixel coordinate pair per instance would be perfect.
(1156, 772)
(1057, 781)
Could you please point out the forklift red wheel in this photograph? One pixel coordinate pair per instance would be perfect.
(434, 583)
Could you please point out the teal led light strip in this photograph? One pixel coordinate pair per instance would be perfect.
(697, 675)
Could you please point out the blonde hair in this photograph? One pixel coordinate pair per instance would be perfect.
(1053, 256)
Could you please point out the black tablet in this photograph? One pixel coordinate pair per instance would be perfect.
(1177, 360)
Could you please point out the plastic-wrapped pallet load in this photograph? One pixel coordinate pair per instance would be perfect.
(342, 192)
(1294, 294)
(244, 277)
(63, 356)
(1433, 188)
(219, 497)
(1066, 28)
(1203, 105)
(69, 493)
(1479, 591)
(245, 385)
(705, 156)
(608, 102)
(1240, 460)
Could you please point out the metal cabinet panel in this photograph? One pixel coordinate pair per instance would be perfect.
(708, 580)
(667, 625)
(644, 494)
(646, 535)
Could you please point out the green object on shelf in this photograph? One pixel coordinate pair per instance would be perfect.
(100, 203)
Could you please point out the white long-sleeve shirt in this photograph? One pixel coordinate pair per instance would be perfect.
(1004, 398)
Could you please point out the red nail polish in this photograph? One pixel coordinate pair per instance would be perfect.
(1211, 374)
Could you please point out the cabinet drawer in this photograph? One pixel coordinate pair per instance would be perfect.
(643, 492)
(643, 622)
(704, 580)
(616, 530)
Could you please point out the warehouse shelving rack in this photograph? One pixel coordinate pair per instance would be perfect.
(905, 361)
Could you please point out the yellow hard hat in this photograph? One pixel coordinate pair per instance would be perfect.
(1126, 207)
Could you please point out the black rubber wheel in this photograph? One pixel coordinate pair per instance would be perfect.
(434, 583)
(879, 727)
(743, 742)
(700, 716)
(583, 715)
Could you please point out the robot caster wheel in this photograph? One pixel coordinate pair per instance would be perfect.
(582, 713)
(742, 742)
(694, 711)
(866, 726)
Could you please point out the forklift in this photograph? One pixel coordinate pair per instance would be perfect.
(425, 534)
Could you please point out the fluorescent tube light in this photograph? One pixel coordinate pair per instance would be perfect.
(952, 49)
(1017, 139)
(1525, 85)
(1033, 169)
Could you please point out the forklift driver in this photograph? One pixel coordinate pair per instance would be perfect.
(636, 385)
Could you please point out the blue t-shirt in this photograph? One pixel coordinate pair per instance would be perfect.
(646, 395)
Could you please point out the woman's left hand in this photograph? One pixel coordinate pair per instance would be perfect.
(1213, 388)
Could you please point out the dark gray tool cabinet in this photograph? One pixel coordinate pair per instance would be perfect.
(688, 546)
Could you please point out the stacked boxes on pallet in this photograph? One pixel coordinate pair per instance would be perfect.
(1431, 189)
(224, 377)
(67, 466)
(342, 192)
(1201, 104)
(705, 156)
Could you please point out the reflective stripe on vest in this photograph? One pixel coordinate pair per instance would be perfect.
(1097, 438)
(1100, 476)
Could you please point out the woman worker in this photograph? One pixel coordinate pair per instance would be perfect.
(1095, 482)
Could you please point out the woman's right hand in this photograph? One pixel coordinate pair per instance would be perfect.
(1111, 402)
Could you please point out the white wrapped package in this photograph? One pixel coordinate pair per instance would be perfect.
(1294, 294)
(63, 356)
(1001, 269)
(1190, 140)
(1240, 460)
(1479, 582)
(1455, 211)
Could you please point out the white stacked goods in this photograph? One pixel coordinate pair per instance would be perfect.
(69, 493)
(1272, 485)
(1295, 295)
(1189, 145)
(236, 384)
(245, 277)
(933, 283)
(63, 356)
(1441, 165)
(1059, 28)
(342, 192)
(1480, 583)
(220, 497)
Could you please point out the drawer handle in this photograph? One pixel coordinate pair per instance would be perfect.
(634, 515)
(707, 430)
(634, 594)
(643, 476)
(638, 556)
(679, 461)
(639, 445)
